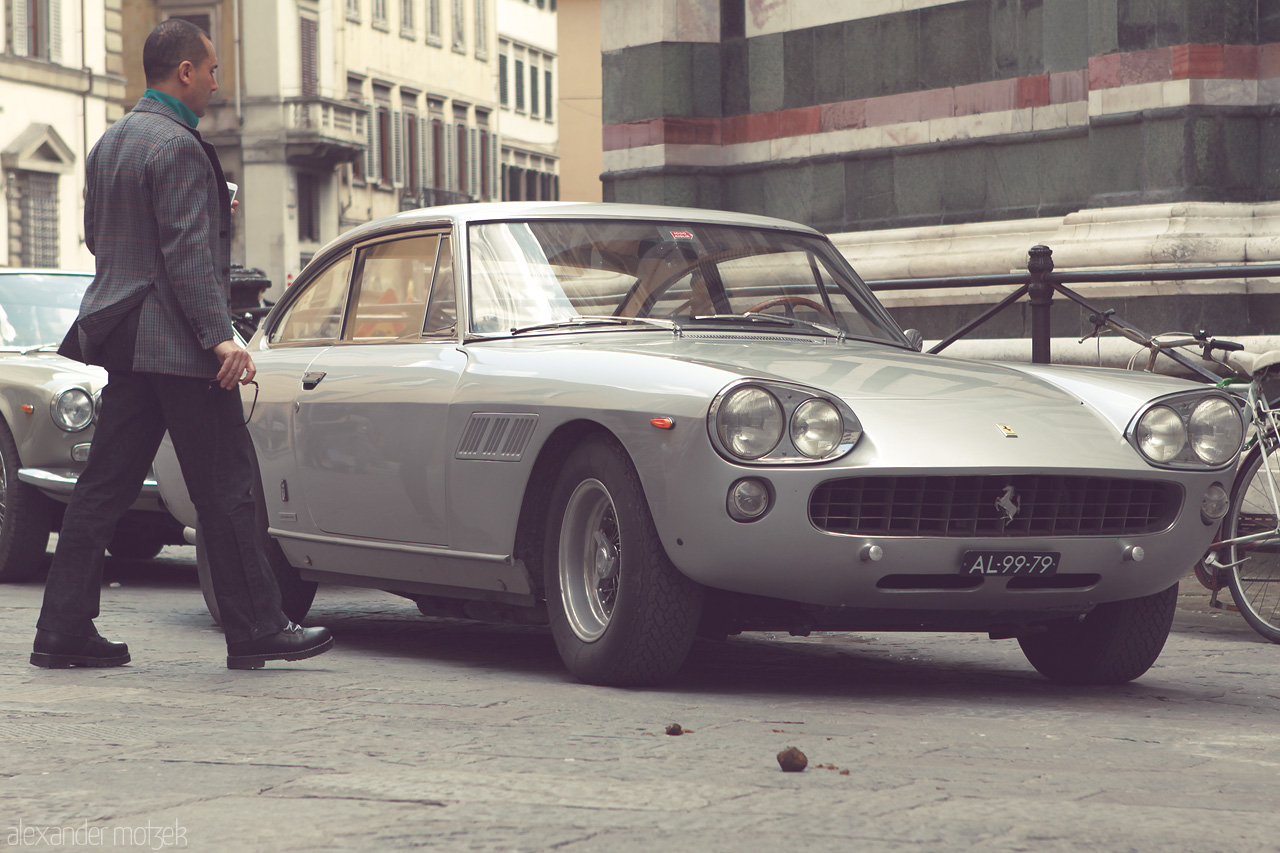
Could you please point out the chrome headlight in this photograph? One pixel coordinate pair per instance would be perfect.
(816, 428)
(749, 422)
(72, 409)
(1215, 431)
(1189, 430)
(1161, 434)
(780, 423)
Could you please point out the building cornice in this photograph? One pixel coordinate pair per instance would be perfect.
(35, 72)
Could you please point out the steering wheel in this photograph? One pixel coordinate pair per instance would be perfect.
(789, 301)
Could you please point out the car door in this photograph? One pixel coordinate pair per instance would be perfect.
(310, 324)
(371, 412)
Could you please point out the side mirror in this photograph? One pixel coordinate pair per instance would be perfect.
(916, 338)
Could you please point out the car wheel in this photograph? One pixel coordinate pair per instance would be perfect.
(296, 594)
(620, 612)
(26, 517)
(1114, 643)
(132, 545)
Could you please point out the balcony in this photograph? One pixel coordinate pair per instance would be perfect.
(321, 132)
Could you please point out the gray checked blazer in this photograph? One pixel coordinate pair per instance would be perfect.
(157, 218)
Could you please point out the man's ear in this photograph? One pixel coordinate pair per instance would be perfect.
(186, 68)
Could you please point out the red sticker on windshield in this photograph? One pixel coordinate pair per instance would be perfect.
(681, 235)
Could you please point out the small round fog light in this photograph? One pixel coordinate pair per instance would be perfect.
(748, 499)
(1215, 504)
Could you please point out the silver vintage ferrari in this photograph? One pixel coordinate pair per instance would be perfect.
(641, 424)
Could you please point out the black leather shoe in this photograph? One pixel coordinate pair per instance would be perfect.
(55, 650)
(293, 643)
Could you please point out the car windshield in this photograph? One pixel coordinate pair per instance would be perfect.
(37, 308)
(594, 273)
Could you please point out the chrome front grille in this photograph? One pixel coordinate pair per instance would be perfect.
(1046, 505)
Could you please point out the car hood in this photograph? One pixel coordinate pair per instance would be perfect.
(917, 410)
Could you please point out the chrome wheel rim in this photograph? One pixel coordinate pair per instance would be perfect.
(590, 560)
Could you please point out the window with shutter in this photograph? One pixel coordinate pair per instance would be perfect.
(502, 80)
(459, 25)
(308, 30)
(535, 102)
(37, 29)
(371, 149)
(433, 21)
(473, 160)
(412, 145)
(519, 81)
(397, 146)
(406, 17)
(460, 150)
(439, 156)
(308, 207)
(385, 163)
(38, 218)
(353, 10)
(495, 167)
(449, 156)
(482, 29)
(546, 89)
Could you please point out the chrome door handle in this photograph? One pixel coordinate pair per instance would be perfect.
(311, 379)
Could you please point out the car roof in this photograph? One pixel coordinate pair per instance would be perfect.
(500, 211)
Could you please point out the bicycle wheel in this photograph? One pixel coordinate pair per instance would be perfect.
(1254, 577)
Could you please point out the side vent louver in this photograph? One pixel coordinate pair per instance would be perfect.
(496, 436)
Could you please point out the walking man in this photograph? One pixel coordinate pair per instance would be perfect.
(158, 221)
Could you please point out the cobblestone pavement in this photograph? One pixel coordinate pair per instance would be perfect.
(447, 735)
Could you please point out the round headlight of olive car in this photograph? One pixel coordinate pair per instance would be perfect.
(1215, 431)
(1161, 435)
(749, 422)
(73, 409)
(816, 428)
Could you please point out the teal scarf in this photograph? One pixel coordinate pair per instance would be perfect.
(184, 112)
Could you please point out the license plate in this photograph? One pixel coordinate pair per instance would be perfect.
(1009, 563)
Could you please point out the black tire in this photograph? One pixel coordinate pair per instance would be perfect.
(1254, 576)
(134, 545)
(634, 625)
(26, 517)
(1114, 643)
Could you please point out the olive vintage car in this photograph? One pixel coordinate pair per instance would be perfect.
(639, 424)
(47, 408)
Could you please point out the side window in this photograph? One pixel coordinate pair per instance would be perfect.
(393, 280)
(442, 310)
(316, 316)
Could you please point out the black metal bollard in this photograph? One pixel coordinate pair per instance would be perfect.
(1040, 266)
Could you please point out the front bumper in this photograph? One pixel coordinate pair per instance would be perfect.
(783, 556)
(59, 483)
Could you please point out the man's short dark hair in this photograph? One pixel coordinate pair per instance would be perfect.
(170, 44)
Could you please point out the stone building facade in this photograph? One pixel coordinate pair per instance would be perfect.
(60, 81)
(1150, 127)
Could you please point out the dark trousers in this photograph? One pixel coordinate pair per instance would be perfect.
(206, 424)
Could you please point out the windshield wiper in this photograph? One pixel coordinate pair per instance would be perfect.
(770, 319)
(598, 320)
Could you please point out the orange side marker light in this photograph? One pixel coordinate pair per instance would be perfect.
(663, 423)
(28, 408)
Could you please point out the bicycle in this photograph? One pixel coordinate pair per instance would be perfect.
(1249, 537)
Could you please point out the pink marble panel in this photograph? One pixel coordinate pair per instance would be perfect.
(1069, 86)
(993, 96)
